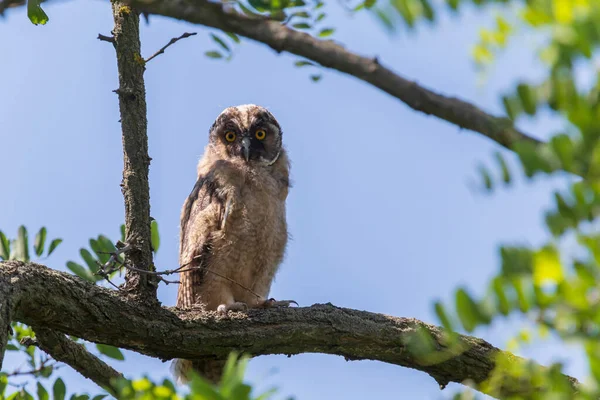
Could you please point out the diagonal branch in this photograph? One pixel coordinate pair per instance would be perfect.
(76, 355)
(67, 304)
(171, 42)
(331, 55)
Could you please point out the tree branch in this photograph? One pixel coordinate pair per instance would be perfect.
(135, 187)
(67, 304)
(331, 55)
(6, 315)
(75, 355)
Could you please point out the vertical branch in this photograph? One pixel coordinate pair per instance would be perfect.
(135, 187)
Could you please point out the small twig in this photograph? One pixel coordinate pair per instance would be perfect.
(44, 363)
(183, 269)
(104, 38)
(171, 42)
(109, 266)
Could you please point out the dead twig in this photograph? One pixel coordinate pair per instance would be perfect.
(114, 264)
(45, 362)
(171, 42)
(104, 38)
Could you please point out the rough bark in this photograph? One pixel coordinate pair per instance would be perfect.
(64, 303)
(75, 355)
(6, 315)
(332, 55)
(135, 187)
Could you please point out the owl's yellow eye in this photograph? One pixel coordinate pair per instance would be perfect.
(230, 136)
(260, 134)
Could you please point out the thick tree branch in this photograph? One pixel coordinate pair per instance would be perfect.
(334, 56)
(67, 304)
(135, 187)
(6, 315)
(76, 355)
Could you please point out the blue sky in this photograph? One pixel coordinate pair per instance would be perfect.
(381, 214)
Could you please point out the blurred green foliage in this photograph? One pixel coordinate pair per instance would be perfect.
(231, 387)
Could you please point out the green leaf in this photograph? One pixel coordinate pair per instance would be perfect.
(99, 249)
(59, 390)
(301, 25)
(42, 393)
(303, 63)
(316, 78)
(503, 167)
(3, 383)
(47, 371)
(487, 178)
(404, 9)
(155, 237)
(220, 42)
(233, 36)
(110, 351)
(213, 54)
(527, 97)
(89, 260)
(501, 299)
(123, 236)
(204, 389)
(35, 13)
(427, 10)
(40, 240)
(4, 246)
(267, 395)
(22, 245)
(326, 32)
(53, 245)
(563, 148)
(443, 316)
(466, 310)
(11, 347)
(99, 397)
(80, 271)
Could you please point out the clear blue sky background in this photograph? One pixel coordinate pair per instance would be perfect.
(382, 214)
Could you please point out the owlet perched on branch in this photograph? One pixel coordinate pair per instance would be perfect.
(233, 228)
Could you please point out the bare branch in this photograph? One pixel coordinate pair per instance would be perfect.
(332, 55)
(44, 363)
(100, 315)
(171, 42)
(75, 355)
(135, 186)
(104, 38)
(113, 264)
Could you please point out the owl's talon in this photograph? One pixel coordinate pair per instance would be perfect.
(272, 303)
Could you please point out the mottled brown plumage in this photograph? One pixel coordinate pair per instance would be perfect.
(233, 227)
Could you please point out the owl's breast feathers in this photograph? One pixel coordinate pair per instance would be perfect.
(232, 224)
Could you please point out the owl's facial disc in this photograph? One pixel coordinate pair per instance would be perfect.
(249, 133)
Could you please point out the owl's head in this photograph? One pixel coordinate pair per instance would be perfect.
(248, 133)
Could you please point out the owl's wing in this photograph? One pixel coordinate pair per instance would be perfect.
(203, 213)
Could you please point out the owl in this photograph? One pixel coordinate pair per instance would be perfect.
(233, 230)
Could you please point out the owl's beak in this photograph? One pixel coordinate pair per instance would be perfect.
(246, 147)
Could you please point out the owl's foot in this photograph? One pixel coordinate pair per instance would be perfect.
(272, 303)
(237, 306)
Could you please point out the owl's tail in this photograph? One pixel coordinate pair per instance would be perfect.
(211, 370)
